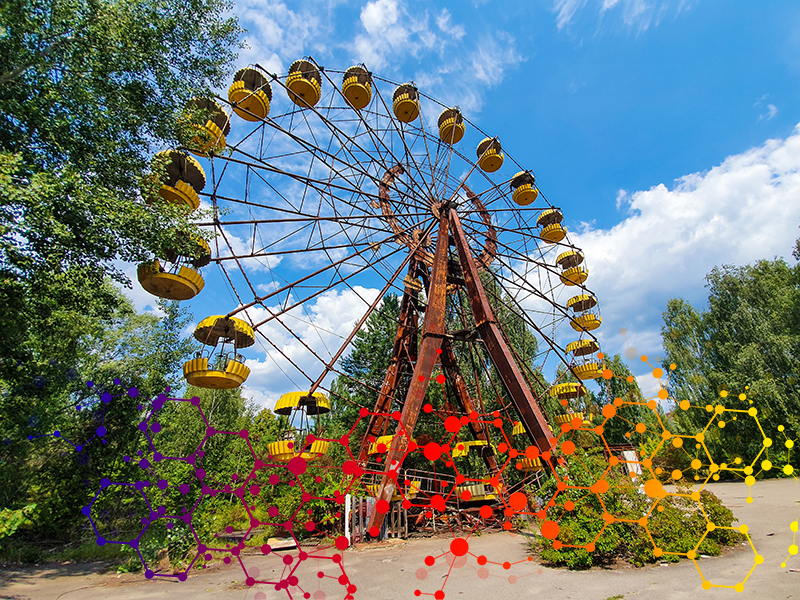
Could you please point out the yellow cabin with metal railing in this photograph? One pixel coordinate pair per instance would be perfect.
(589, 370)
(210, 138)
(451, 126)
(304, 83)
(490, 155)
(586, 322)
(568, 390)
(523, 188)
(405, 103)
(357, 87)
(250, 94)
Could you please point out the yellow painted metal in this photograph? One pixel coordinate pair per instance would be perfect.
(183, 285)
(304, 83)
(586, 322)
(405, 103)
(478, 492)
(228, 329)
(462, 448)
(582, 347)
(250, 94)
(410, 492)
(519, 428)
(317, 404)
(451, 126)
(285, 450)
(180, 193)
(197, 373)
(357, 87)
(590, 370)
(574, 276)
(250, 105)
(569, 259)
(529, 464)
(525, 194)
(582, 302)
(549, 217)
(209, 138)
(553, 233)
(490, 155)
(303, 92)
(565, 391)
(182, 167)
(567, 418)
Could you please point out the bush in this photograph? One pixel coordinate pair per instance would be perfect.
(674, 525)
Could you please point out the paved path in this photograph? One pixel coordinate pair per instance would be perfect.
(390, 573)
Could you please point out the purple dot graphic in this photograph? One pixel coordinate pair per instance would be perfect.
(143, 426)
(101, 541)
(149, 574)
(101, 431)
(116, 381)
(184, 488)
(106, 397)
(78, 448)
(157, 456)
(144, 463)
(90, 384)
(134, 544)
(155, 427)
(133, 392)
(86, 511)
(126, 458)
(162, 484)
(105, 482)
(56, 433)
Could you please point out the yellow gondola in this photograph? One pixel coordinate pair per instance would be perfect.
(519, 429)
(315, 404)
(478, 492)
(490, 155)
(298, 406)
(451, 126)
(582, 302)
(586, 322)
(184, 178)
(385, 441)
(184, 284)
(405, 103)
(569, 259)
(463, 448)
(590, 370)
(568, 418)
(553, 233)
(357, 87)
(523, 187)
(304, 83)
(565, 391)
(529, 464)
(226, 371)
(250, 94)
(582, 347)
(210, 137)
(548, 217)
(574, 276)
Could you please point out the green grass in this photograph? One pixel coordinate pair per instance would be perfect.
(617, 597)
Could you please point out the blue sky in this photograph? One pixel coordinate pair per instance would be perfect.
(666, 130)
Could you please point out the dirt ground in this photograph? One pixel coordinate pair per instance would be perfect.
(392, 572)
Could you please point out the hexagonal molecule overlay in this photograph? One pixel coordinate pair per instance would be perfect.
(167, 494)
(612, 474)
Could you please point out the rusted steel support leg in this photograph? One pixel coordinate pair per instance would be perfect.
(406, 331)
(496, 345)
(432, 331)
(453, 374)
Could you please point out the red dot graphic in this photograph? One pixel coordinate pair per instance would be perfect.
(459, 546)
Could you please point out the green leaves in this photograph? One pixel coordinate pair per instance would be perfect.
(11, 520)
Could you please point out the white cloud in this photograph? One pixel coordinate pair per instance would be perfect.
(635, 14)
(322, 327)
(378, 16)
(565, 11)
(740, 211)
(772, 110)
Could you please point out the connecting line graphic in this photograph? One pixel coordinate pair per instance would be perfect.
(101, 404)
(793, 549)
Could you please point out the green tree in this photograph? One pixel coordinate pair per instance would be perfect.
(747, 341)
(88, 89)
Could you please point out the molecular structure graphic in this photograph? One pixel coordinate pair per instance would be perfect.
(793, 550)
(578, 485)
(154, 489)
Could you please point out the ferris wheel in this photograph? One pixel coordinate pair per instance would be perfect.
(325, 181)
